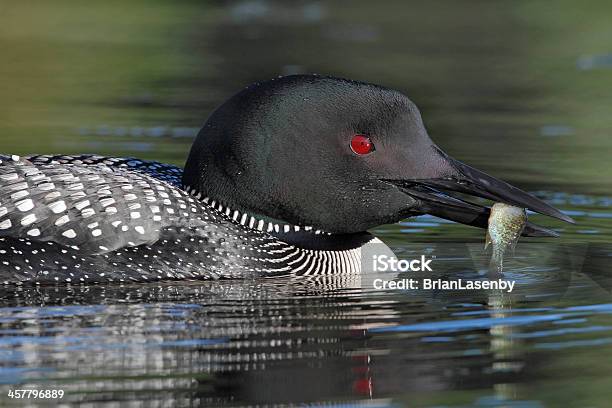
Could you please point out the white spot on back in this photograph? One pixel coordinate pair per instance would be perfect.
(46, 186)
(25, 205)
(79, 206)
(9, 177)
(19, 195)
(57, 207)
(105, 202)
(28, 219)
(62, 220)
(53, 195)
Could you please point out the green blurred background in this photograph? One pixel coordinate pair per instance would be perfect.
(521, 89)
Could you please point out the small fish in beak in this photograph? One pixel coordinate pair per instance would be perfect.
(506, 224)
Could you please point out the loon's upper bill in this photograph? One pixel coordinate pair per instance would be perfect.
(284, 178)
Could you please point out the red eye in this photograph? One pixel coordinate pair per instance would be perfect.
(362, 144)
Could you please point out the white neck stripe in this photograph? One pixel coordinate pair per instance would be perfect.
(248, 220)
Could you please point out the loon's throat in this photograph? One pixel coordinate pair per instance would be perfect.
(302, 236)
(251, 219)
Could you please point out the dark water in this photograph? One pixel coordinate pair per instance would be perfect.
(520, 89)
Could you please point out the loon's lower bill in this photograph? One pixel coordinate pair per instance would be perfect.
(285, 178)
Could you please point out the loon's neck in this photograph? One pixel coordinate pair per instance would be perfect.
(306, 237)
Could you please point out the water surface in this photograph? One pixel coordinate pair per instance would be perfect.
(516, 89)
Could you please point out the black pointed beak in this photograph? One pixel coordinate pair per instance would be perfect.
(437, 196)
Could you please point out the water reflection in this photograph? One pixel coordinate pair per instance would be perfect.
(263, 340)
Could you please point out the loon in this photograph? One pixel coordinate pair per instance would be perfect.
(285, 178)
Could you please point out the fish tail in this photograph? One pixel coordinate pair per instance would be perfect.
(497, 261)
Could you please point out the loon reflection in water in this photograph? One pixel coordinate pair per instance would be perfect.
(284, 178)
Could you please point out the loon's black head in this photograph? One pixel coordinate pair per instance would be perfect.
(339, 155)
